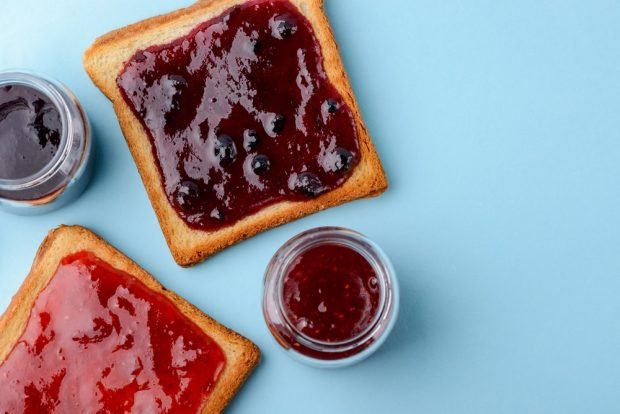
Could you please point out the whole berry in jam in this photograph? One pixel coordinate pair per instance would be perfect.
(187, 195)
(283, 27)
(250, 139)
(216, 214)
(225, 150)
(331, 106)
(275, 124)
(261, 164)
(175, 84)
(308, 184)
(177, 81)
(255, 46)
(343, 160)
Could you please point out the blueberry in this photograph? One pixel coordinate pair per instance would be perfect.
(309, 184)
(260, 164)
(276, 123)
(178, 81)
(331, 106)
(225, 150)
(283, 27)
(250, 139)
(178, 84)
(187, 195)
(256, 46)
(343, 160)
(217, 214)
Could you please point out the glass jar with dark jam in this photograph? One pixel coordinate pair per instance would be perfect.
(45, 144)
(330, 297)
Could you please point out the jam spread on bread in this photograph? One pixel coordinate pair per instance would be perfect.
(330, 293)
(30, 130)
(241, 114)
(98, 340)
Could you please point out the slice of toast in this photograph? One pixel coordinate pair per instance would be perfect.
(105, 60)
(241, 354)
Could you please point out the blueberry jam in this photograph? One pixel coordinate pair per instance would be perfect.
(241, 115)
(30, 130)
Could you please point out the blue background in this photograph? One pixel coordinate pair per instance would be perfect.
(498, 123)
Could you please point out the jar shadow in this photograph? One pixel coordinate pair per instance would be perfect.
(411, 330)
(98, 155)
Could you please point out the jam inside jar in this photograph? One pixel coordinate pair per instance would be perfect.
(45, 144)
(330, 297)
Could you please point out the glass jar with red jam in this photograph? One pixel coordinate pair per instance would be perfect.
(45, 144)
(330, 297)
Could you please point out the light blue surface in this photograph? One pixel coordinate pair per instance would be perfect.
(499, 126)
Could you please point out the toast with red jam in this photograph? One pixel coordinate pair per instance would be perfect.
(91, 331)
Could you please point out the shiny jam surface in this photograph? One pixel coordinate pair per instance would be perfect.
(330, 293)
(241, 114)
(30, 131)
(99, 341)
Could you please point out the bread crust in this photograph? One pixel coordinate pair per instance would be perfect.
(241, 354)
(105, 59)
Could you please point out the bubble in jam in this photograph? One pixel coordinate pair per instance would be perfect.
(241, 114)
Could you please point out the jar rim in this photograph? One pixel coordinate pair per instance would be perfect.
(55, 92)
(282, 260)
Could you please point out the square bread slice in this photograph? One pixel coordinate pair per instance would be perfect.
(104, 61)
(241, 354)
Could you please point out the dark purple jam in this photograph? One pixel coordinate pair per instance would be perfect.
(241, 114)
(30, 131)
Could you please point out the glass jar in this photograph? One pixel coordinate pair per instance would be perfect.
(318, 352)
(66, 175)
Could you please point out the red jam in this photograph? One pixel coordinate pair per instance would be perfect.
(30, 130)
(100, 341)
(241, 115)
(331, 293)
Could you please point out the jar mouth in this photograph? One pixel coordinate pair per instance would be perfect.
(51, 89)
(285, 257)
